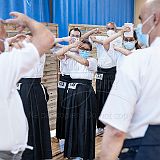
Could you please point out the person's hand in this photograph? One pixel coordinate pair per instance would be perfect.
(126, 29)
(97, 30)
(17, 45)
(76, 44)
(20, 20)
(16, 38)
(67, 39)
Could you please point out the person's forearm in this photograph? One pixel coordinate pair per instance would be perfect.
(107, 41)
(123, 51)
(86, 35)
(40, 32)
(42, 38)
(58, 40)
(98, 41)
(33, 25)
(74, 50)
(111, 144)
(63, 50)
(78, 58)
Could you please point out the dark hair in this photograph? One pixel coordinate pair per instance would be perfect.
(137, 46)
(86, 41)
(74, 29)
(29, 34)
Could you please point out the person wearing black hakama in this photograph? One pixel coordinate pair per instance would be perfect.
(80, 117)
(34, 97)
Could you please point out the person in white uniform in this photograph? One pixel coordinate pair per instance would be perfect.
(131, 112)
(34, 97)
(80, 115)
(65, 79)
(62, 88)
(15, 64)
(106, 69)
(129, 44)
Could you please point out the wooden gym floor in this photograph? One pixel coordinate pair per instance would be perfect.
(59, 156)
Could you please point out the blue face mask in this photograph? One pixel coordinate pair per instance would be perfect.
(129, 45)
(142, 38)
(84, 54)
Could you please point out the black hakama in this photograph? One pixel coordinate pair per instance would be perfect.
(80, 120)
(104, 81)
(61, 95)
(34, 98)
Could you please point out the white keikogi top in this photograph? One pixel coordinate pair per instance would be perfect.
(37, 71)
(134, 102)
(64, 68)
(13, 122)
(79, 71)
(117, 57)
(104, 60)
(63, 63)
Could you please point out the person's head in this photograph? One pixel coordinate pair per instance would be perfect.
(75, 34)
(85, 48)
(110, 28)
(150, 19)
(131, 43)
(29, 36)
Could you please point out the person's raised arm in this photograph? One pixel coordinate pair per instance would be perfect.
(94, 40)
(122, 50)
(112, 143)
(42, 38)
(106, 42)
(63, 39)
(60, 53)
(77, 58)
(87, 34)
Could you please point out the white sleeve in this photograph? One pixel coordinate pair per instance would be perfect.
(92, 64)
(114, 55)
(15, 64)
(119, 107)
(6, 45)
(100, 38)
(118, 41)
(93, 43)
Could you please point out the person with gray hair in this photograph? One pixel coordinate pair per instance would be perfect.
(131, 112)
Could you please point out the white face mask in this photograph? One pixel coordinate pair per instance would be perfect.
(110, 32)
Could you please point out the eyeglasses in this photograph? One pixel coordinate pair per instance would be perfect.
(128, 40)
(110, 28)
(77, 36)
(84, 49)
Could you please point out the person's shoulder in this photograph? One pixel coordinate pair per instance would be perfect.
(136, 62)
(140, 54)
(28, 52)
(92, 60)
